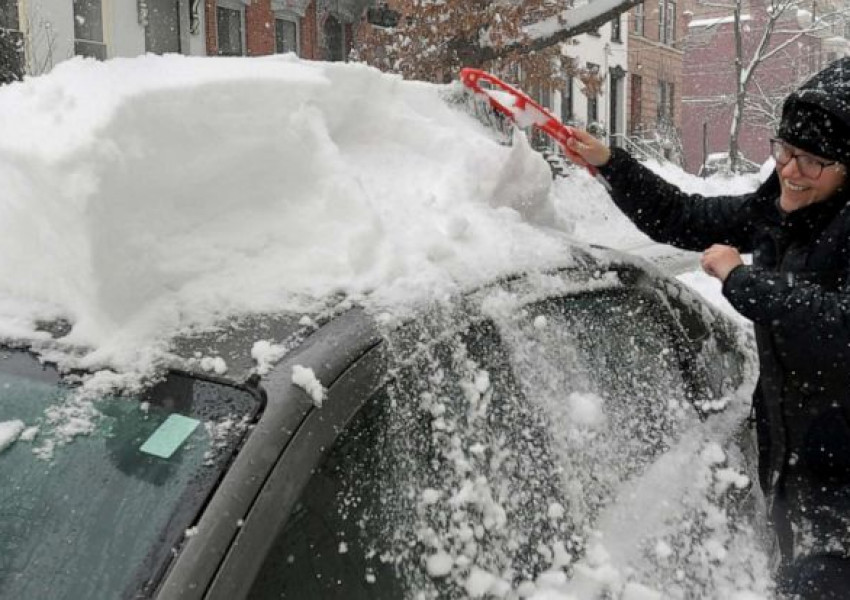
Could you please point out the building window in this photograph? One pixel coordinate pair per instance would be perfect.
(638, 20)
(636, 103)
(567, 102)
(285, 36)
(616, 34)
(230, 23)
(9, 15)
(666, 102)
(592, 110)
(88, 29)
(162, 30)
(334, 39)
(666, 21)
(592, 94)
(615, 104)
(11, 43)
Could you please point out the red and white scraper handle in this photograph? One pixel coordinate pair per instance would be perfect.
(521, 109)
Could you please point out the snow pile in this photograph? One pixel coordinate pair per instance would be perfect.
(145, 195)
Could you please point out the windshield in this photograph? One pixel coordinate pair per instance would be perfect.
(99, 517)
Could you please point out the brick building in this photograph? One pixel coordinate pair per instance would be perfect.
(654, 79)
(50, 31)
(313, 29)
(709, 78)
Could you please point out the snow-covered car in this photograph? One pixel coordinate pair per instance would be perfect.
(279, 328)
(479, 446)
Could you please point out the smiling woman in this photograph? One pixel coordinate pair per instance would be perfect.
(806, 179)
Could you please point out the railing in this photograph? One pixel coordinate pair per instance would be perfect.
(637, 147)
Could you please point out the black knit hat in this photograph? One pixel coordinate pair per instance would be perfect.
(816, 130)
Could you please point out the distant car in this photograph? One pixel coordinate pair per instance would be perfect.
(718, 163)
(432, 452)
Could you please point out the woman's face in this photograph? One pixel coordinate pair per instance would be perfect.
(799, 189)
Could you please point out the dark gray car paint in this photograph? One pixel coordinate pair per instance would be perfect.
(329, 353)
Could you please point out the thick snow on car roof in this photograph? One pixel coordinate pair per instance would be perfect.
(145, 196)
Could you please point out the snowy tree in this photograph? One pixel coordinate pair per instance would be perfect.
(524, 39)
(776, 45)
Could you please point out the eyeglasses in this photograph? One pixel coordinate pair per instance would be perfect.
(808, 165)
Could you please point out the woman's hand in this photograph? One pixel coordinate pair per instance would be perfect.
(585, 149)
(719, 260)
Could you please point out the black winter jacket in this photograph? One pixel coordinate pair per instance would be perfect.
(797, 293)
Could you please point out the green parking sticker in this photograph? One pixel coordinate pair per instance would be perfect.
(169, 436)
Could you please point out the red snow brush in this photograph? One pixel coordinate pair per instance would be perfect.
(520, 109)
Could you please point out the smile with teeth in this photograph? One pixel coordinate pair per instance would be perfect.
(794, 187)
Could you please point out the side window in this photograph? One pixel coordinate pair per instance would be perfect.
(618, 353)
(493, 448)
(321, 552)
(445, 461)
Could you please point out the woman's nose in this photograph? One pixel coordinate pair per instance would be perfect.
(788, 171)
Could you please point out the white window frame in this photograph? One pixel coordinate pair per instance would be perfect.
(239, 6)
(280, 15)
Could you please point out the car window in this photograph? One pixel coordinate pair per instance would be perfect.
(486, 458)
(99, 516)
(355, 531)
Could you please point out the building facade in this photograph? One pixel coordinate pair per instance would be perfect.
(597, 101)
(50, 31)
(803, 44)
(654, 81)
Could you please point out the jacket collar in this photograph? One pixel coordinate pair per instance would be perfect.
(808, 222)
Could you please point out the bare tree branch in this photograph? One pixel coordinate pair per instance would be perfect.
(544, 34)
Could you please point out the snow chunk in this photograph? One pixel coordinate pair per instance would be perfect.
(29, 434)
(9, 432)
(265, 354)
(481, 582)
(305, 378)
(637, 591)
(430, 496)
(215, 364)
(439, 564)
(724, 478)
(586, 409)
(713, 454)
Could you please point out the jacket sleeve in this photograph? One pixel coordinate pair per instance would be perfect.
(670, 216)
(777, 300)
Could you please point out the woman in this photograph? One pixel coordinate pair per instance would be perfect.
(797, 293)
